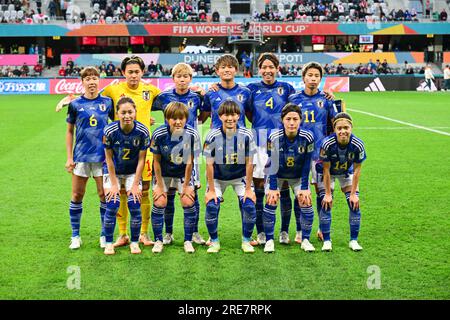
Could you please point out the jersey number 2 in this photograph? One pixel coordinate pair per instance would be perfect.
(126, 154)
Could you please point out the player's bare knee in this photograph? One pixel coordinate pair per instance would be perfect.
(161, 202)
(186, 202)
(77, 195)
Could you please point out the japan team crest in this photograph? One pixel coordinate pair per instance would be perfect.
(190, 104)
(146, 95)
(136, 142)
(301, 149)
(351, 156)
(320, 103)
(240, 97)
(102, 107)
(280, 91)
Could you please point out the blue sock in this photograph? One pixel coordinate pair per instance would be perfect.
(212, 219)
(110, 219)
(75, 211)
(197, 212)
(136, 218)
(102, 216)
(354, 219)
(170, 211)
(297, 213)
(286, 209)
(324, 218)
(242, 213)
(248, 218)
(189, 222)
(157, 222)
(259, 206)
(306, 219)
(269, 218)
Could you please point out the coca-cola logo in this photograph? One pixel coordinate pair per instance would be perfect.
(65, 86)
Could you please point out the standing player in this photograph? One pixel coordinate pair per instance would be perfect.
(289, 150)
(126, 142)
(88, 114)
(182, 77)
(269, 96)
(132, 69)
(316, 112)
(229, 152)
(174, 146)
(341, 156)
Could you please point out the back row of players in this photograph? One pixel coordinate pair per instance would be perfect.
(264, 162)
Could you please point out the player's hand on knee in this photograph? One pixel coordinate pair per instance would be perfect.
(70, 165)
(64, 102)
(158, 193)
(113, 194)
(304, 198)
(210, 195)
(249, 194)
(136, 193)
(188, 193)
(327, 201)
(354, 201)
(272, 197)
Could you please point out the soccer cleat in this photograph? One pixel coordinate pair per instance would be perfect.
(75, 243)
(123, 240)
(197, 238)
(354, 245)
(109, 249)
(102, 242)
(188, 248)
(214, 247)
(134, 248)
(158, 247)
(270, 246)
(298, 237)
(145, 240)
(284, 237)
(247, 247)
(307, 246)
(261, 238)
(168, 238)
(319, 235)
(327, 246)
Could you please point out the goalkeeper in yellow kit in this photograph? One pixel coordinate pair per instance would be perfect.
(142, 94)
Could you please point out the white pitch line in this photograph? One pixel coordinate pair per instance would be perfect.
(396, 128)
(401, 122)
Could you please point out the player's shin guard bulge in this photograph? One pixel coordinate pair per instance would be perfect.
(354, 218)
(145, 211)
(324, 219)
(122, 216)
(169, 211)
(259, 206)
(306, 220)
(110, 219)
(286, 209)
(248, 218)
(157, 222)
(297, 212)
(212, 218)
(189, 222)
(269, 219)
(136, 218)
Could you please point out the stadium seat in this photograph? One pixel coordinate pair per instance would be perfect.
(13, 14)
(109, 20)
(96, 7)
(20, 14)
(1, 16)
(11, 7)
(7, 15)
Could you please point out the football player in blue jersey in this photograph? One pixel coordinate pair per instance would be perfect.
(316, 112)
(88, 116)
(226, 68)
(182, 77)
(290, 150)
(126, 142)
(269, 96)
(341, 157)
(229, 152)
(174, 146)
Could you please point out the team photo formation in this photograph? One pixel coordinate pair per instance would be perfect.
(271, 144)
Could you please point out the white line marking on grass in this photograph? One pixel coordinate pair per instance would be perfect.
(397, 128)
(401, 122)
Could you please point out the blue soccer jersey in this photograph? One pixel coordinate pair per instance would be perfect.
(213, 99)
(175, 150)
(191, 99)
(267, 103)
(229, 152)
(90, 117)
(316, 110)
(341, 158)
(126, 146)
(290, 159)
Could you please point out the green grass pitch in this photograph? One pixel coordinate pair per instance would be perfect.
(405, 220)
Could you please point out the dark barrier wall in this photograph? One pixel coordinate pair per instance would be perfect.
(390, 83)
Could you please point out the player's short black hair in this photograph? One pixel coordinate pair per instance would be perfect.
(229, 107)
(312, 65)
(124, 100)
(268, 56)
(342, 116)
(291, 107)
(132, 60)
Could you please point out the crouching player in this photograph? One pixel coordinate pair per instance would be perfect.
(229, 152)
(88, 116)
(341, 156)
(126, 142)
(290, 151)
(174, 146)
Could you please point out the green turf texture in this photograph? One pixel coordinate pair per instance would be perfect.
(404, 203)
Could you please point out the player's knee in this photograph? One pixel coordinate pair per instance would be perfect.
(133, 205)
(161, 202)
(77, 195)
(248, 205)
(212, 207)
(113, 205)
(186, 202)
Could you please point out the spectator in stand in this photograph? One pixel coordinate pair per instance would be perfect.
(69, 64)
(111, 66)
(109, 70)
(409, 70)
(447, 78)
(117, 73)
(385, 67)
(62, 72)
(16, 72)
(25, 70)
(340, 69)
(216, 16)
(443, 15)
(38, 69)
(151, 69)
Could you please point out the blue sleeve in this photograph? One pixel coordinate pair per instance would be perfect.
(196, 146)
(206, 105)
(331, 109)
(107, 140)
(71, 114)
(361, 155)
(154, 146)
(158, 103)
(248, 103)
(111, 110)
(208, 149)
(305, 171)
(145, 142)
(273, 159)
(291, 89)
